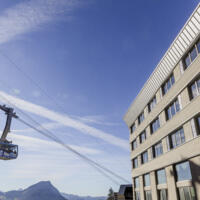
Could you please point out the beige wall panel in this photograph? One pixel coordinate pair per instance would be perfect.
(186, 151)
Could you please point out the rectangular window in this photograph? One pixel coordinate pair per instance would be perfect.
(136, 182)
(193, 53)
(186, 193)
(142, 136)
(148, 195)
(157, 150)
(176, 138)
(168, 84)
(161, 176)
(133, 128)
(190, 57)
(141, 118)
(147, 180)
(137, 195)
(162, 194)
(152, 104)
(172, 109)
(135, 162)
(183, 171)
(194, 88)
(144, 157)
(197, 120)
(155, 125)
(134, 145)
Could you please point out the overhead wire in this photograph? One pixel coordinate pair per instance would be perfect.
(40, 88)
(51, 136)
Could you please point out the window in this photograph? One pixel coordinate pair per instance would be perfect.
(148, 195)
(161, 176)
(198, 124)
(137, 195)
(175, 139)
(133, 128)
(142, 136)
(168, 84)
(157, 150)
(183, 171)
(141, 118)
(144, 157)
(147, 180)
(186, 193)
(152, 104)
(162, 194)
(135, 163)
(194, 88)
(189, 58)
(136, 182)
(134, 145)
(155, 125)
(172, 109)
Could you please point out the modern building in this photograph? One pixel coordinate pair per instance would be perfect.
(125, 192)
(164, 123)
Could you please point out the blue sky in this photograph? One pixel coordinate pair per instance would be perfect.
(92, 57)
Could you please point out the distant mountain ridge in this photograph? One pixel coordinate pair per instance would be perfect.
(76, 197)
(43, 190)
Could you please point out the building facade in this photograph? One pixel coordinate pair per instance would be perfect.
(164, 123)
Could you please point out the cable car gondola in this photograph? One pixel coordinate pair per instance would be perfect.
(8, 151)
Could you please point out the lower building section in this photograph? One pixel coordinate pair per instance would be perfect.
(179, 181)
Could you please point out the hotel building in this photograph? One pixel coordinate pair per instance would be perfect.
(164, 123)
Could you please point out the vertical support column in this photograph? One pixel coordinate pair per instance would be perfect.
(177, 72)
(153, 186)
(185, 99)
(195, 170)
(162, 118)
(158, 96)
(171, 184)
(141, 188)
(146, 112)
(188, 131)
(164, 144)
(133, 189)
(148, 131)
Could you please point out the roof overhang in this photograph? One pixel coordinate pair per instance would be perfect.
(180, 45)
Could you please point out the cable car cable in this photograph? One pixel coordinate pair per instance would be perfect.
(53, 137)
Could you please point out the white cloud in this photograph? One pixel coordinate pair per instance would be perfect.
(30, 15)
(97, 119)
(49, 126)
(40, 145)
(65, 120)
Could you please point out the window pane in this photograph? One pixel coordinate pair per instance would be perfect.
(163, 194)
(193, 53)
(187, 193)
(161, 177)
(146, 180)
(183, 171)
(187, 61)
(136, 182)
(137, 195)
(177, 106)
(198, 85)
(169, 113)
(173, 110)
(182, 136)
(148, 195)
(168, 84)
(172, 79)
(194, 90)
(198, 46)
